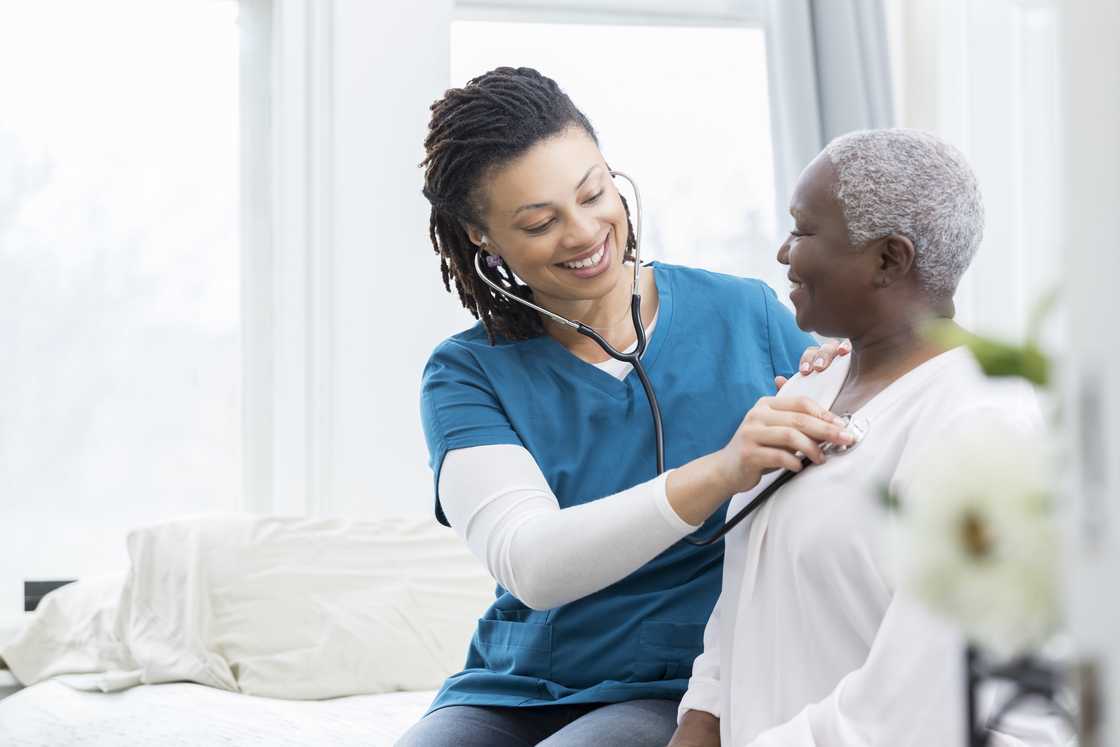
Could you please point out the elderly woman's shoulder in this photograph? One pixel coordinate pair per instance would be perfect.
(962, 392)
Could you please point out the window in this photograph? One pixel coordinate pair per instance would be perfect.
(682, 109)
(119, 270)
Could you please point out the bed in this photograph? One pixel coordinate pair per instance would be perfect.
(184, 713)
(248, 630)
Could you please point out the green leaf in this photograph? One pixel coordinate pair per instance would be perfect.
(996, 358)
(1039, 313)
(889, 500)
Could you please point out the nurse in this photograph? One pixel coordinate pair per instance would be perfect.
(542, 448)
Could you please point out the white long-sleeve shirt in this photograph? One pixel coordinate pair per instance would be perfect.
(497, 499)
(809, 643)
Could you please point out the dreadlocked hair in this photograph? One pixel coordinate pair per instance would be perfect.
(489, 122)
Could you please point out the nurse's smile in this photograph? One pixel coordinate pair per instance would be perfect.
(592, 262)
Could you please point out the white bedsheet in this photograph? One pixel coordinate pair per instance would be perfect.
(51, 714)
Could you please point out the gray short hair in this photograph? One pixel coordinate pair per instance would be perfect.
(912, 183)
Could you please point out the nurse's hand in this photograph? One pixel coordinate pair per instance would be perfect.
(772, 433)
(697, 729)
(767, 439)
(818, 358)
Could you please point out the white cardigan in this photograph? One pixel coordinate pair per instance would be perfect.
(809, 644)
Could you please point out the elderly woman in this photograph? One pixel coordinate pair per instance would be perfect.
(809, 643)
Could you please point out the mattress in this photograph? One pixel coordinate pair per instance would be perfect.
(51, 714)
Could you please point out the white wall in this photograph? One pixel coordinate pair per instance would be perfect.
(1090, 63)
(389, 298)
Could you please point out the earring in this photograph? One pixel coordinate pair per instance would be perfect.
(492, 260)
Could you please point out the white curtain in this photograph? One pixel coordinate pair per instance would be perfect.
(829, 74)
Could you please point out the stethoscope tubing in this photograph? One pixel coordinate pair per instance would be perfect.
(858, 429)
(635, 359)
(755, 504)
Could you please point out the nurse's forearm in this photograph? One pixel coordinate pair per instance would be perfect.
(497, 499)
(697, 489)
(554, 556)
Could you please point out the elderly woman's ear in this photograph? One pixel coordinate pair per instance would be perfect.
(896, 259)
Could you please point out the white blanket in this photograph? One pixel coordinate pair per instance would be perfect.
(282, 607)
(52, 715)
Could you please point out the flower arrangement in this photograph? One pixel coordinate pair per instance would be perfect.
(981, 538)
(980, 530)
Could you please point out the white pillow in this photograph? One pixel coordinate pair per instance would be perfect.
(295, 607)
(71, 632)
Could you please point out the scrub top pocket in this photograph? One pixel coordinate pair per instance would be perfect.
(517, 648)
(666, 650)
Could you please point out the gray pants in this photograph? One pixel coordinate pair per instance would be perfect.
(636, 723)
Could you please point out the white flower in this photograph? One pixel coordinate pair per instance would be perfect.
(979, 537)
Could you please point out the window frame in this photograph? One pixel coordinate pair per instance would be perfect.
(620, 12)
(286, 77)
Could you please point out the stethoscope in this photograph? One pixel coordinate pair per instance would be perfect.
(634, 358)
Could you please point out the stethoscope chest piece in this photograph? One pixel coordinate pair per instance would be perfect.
(857, 427)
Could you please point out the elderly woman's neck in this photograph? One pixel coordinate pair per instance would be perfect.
(896, 345)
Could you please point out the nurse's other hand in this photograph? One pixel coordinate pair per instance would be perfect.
(819, 358)
(697, 729)
(772, 433)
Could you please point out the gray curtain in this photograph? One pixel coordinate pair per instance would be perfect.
(829, 73)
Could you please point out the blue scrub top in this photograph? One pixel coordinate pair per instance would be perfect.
(718, 343)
